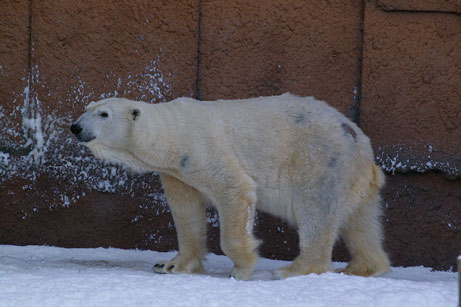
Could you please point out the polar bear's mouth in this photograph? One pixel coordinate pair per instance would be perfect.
(84, 139)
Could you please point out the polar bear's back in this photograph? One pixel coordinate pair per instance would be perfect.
(272, 125)
(274, 122)
(271, 113)
(275, 132)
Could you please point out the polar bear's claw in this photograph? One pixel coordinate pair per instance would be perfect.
(159, 268)
(165, 268)
(174, 267)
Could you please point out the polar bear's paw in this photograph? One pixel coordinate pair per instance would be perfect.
(283, 273)
(177, 267)
(295, 270)
(366, 269)
(240, 273)
(165, 267)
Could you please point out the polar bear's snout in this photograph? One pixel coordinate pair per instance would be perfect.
(78, 131)
(75, 129)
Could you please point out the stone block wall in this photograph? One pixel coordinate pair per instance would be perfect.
(393, 66)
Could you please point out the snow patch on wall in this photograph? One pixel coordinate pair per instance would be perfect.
(4, 158)
(38, 132)
(395, 158)
(3, 70)
(149, 85)
(154, 237)
(212, 218)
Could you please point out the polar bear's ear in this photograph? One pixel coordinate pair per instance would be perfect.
(135, 112)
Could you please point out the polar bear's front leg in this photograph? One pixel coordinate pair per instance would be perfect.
(187, 206)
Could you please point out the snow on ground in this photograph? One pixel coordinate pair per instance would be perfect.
(51, 276)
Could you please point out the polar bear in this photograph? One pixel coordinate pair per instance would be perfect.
(293, 157)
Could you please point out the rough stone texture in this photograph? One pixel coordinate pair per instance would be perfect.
(42, 215)
(423, 220)
(14, 64)
(411, 89)
(449, 6)
(52, 190)
(138, 49)
(410, 109)
(257, 48)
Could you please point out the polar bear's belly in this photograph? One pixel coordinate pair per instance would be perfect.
(277, 202)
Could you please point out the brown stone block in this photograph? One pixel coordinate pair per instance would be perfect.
(257, 48)
(422, 218)
(41, 211)
(411, 89)
(141, 49)
(14, 63)
(449, 6)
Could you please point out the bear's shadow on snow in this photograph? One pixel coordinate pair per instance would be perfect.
(130, 265)
(214, 271)
(141, 266)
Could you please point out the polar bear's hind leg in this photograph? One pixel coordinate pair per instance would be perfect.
(316, 217)
(237, 240)
(363, 233)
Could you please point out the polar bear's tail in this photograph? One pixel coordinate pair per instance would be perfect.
(377, 183)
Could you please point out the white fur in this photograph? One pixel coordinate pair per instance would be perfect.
(293, 157)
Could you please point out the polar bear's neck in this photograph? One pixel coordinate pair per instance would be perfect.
(153, 145)
(119, 157)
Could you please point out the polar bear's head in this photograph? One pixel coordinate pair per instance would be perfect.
(107, 123)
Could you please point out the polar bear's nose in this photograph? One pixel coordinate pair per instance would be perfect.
(76, 129)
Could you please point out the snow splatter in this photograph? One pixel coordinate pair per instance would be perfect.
(395, 162)
(212, 218)
(4, 158)
(4, 70)
(155, 237)
(150, 83)
(46, 147)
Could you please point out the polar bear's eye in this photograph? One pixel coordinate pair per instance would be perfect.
(104, 114)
